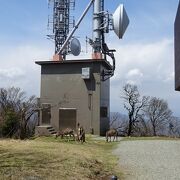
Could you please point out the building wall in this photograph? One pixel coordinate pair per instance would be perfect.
(62, 86)
(104, 103)
(69, 91)
(177, 50)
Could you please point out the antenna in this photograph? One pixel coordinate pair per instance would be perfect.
(75, 27)
(75, 47)
(61, 23)
(103, 22)
(120, 21)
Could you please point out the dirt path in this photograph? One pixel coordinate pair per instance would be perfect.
(150, 159)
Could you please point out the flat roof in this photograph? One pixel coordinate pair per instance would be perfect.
(102, 61)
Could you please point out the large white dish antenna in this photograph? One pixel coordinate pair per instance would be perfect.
(75, 47)
(120, 21)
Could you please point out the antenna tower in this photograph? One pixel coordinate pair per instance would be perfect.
(103, 22)
(61, 23)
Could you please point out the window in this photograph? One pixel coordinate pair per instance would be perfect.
(104, 112)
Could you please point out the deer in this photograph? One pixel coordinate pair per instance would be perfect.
(66, 132)
(80, 134)
(111, 132)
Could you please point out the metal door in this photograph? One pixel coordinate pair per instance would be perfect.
(67, 118)
(46, 114)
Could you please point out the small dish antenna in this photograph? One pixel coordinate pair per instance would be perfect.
(75, 47)
(120, 21)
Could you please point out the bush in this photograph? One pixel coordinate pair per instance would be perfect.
(17, 113)
(10, 125)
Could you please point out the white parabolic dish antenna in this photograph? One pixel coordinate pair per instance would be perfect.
(75, 47)
(120, 21)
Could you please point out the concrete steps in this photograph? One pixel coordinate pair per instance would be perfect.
(51, 130)
(45, 130)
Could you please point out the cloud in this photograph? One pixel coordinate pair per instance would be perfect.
(170, 77)
(11, 73)
(134, 72)
(152, 60)
(134, 76)
(18, 67)
(148, 65)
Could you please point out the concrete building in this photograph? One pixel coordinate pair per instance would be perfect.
(177, 50)
(74, 92)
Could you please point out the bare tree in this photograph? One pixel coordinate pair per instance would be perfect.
(133, 103)
(17, 108)
(174, 127)
(119, 122)
(158, 113)
(142, 127)
(10, 99)
(114, 119)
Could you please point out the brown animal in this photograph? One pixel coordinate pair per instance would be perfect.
(81, 134)
(60, 133)
(66, 132)
(111, 132)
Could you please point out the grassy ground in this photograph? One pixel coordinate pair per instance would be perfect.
(50, 158)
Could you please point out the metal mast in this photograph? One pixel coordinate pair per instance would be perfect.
(98, 34)
(62, 23)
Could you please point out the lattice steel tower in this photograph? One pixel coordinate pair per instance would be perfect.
(61, 23)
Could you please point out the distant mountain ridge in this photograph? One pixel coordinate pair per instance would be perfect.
(118, 115)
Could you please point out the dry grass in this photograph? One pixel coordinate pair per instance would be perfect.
(50, 158)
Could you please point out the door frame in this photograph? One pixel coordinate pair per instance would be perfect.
(50, 106)
(75, 109)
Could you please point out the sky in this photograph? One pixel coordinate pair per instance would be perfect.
(145, 55)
